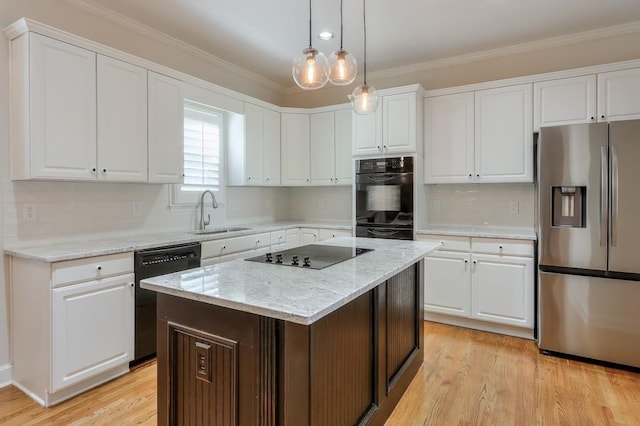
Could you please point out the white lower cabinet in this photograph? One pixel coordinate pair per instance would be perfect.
(309, 235)
(91, 328)
(72, 324)
(293, 237)
(327, 233)
(484, 280)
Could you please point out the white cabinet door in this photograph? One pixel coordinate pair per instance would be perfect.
(449, 138)
(62, 99)
(295, 149)
(308, 235)
(502, 289)
(293, 237)
(343, 157)
(322, 160)
(564, 101)
(619, 95)
(367, 133)
(254, 144)
(504, 134)
(399, 123)
(92, 328)
(446, 283)
(166, 129)
(271, 151)
(122, 121)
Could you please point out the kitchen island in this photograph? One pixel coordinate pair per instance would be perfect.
(252, 343)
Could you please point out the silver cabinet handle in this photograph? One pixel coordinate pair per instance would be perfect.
(604, 194)
(613, 231)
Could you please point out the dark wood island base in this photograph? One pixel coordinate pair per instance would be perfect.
(219, 366)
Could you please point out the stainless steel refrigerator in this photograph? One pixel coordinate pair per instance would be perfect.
(589, 241)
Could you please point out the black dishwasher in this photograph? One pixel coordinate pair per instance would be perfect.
(151, 263)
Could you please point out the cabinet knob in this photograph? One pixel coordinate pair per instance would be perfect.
(267, 179)
(379, 149)
(442, 242)
(336, 180)
(249, 178)
(99, 268)
(132, 284)
(307, 179)
(331, 179)
(593, 118)
(475, 261)
(602, 116)
(500, 247)
(104, 170)
(466, 261)
(478, 175)
(224, 247)
(470, 175)
(93, 170)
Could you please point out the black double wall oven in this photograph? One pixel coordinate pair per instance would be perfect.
(384, 198)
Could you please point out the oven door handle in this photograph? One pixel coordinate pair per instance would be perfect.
(381, 178)
(382, 233)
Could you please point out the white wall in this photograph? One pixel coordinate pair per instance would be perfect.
(322, 204)
(481, 204)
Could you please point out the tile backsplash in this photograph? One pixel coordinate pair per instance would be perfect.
(72, 209)
(500, 204)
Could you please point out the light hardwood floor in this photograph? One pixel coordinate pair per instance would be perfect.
(468, 378)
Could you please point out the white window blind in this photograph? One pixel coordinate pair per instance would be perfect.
(202, 138)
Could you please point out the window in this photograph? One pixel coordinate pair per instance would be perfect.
(203, 142)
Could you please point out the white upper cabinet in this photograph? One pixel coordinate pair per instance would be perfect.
(619, 95)
(53, 102)
(166, 129)
(122, 121)
(343, 156)
(504, 134)
(393, 128)
(254, 155)
(399, 123)
(367, 133)
(482, 136)
(449, 138)
(271, 140)
(295, 149)
(322, 138)
(564, 101)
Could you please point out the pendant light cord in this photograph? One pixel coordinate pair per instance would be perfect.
(309, 24)
(364, 18)
(341, 30)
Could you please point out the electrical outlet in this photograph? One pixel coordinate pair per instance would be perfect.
(514, 207)
(29, 212)
(135, 208)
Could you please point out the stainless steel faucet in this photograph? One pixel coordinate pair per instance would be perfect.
(204, 223)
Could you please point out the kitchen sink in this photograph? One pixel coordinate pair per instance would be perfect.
(218, 230)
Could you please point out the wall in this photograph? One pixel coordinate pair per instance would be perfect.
(320, 204)
(482, 204)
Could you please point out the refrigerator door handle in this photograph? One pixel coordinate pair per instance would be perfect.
(604, 194)
(613, 223)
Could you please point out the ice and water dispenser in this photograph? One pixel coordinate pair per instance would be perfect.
(568, 206)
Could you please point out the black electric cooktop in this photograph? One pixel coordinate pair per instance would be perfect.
(311, 256)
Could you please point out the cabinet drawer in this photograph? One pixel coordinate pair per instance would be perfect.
(325, 234)
(449, 243)
(278, 238)
(90, 268)
(235, 245)
(502, 247)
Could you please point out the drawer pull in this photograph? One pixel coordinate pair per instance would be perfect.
(500, 247)
(99, 268)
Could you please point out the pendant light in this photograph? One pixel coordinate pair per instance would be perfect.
(343, 64)
(310, 69)
(364, 98)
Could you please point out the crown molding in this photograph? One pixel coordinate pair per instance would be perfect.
(100, 11)
(548, 43)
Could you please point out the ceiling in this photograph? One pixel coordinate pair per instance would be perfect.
(263, 36)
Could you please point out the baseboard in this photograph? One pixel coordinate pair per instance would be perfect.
(5, 375)
(509, 330)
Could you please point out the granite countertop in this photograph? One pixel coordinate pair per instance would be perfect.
(59, 250)
(297, 295)
(480, 231)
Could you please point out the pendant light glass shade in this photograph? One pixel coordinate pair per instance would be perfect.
(343, 64)
(343, 68)
(311, 69)
(364, 99)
